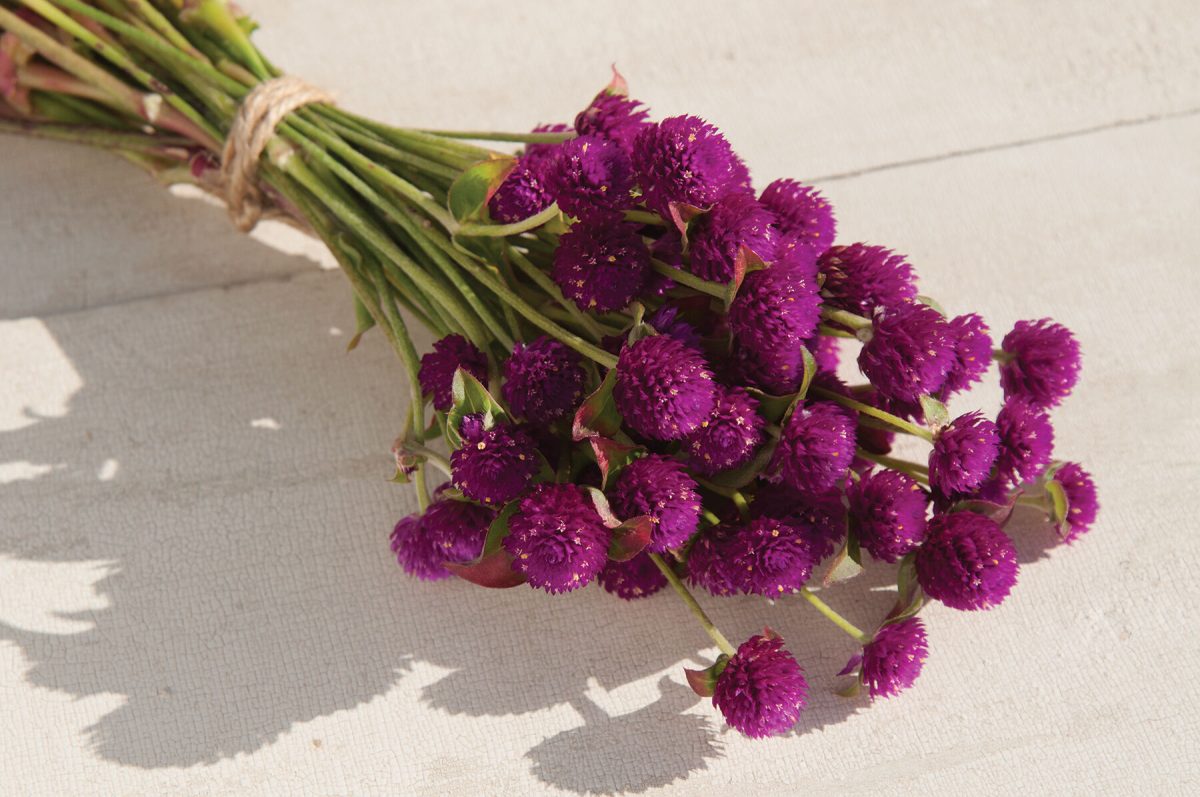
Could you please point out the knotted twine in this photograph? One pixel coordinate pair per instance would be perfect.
(260, 113)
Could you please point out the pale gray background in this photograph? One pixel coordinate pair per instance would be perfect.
(196, 595)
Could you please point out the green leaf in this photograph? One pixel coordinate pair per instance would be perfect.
(738, 478)
(611, 457)
(493, 568)
(704, 682)
(930, 302)
(598, 414)
(936, 414)
(909, 596)
(630, 538)
(469, 194)
(363, 320)
(744, 262)
(810, 370)
(470, 398)
(846, 563)
(1061, 506)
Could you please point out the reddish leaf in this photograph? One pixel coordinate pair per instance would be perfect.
(630, 538)
(682, 216)
(704, 682)
(617, 87)
(494, 570)
(598, 414)
(611, 457)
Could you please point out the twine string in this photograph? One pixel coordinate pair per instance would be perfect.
(260, 113)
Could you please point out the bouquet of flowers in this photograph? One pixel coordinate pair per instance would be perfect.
(637, 372)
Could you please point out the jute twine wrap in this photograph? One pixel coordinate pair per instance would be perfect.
(260, 113)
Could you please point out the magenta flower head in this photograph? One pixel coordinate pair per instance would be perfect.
(523, 192)
(614, 117)
(821, 518)
(802, 214)
(709, 561)
(892, 660)
(762, 689)
(557, 538)
(972, 354)
(436, 374)
(1082, 505)
(493, 466)
(860, 278)
(543, 380)
(887, 508)
(909, 352)
(664, 389)
(963, 454)
(770, 557)
(591, 178)
(827, 352)
(729, 438)
(1026, 440)
(685, 159)
(660, 487)
(449, 531)
(966, 562)
(775, 312)
(666, 321)
(637, 578)
(601, 267)
(816, 447)
(1040, 360)
(715, 237)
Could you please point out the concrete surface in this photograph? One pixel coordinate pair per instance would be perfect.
(196, 595)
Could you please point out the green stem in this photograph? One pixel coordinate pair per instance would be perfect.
(866, 409)
(505, 230)
(485, 135)
(95, 136)
(830, 332)
(855, 322)
(915, 469)
(551, 289)
(693, 606)
(644, 217)
(690, 280)
(841, 622)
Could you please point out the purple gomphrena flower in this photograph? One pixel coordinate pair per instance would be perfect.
(601, 267)
(963, 454)
(909, 352)
(543, 380)
(888, 510)
(523, 192)
(449, 531)
(591, 178)
(614, 117)
(729, 438)
(827, 352)
(815, 448)
(664, 389)
(1082, 505)
(802, 214)
(493, 466)
(775, 312)
(1026, 440)
(666, 321)
(709, 563)
(1040, 360)
(557, 538)
(684, 159)
(716, 237)
(762, 689)
(893, 659)
(637, 578)
(966, 561)
(860, 277)
(770, 557)
(822, 518)
(972, 354)
(660, 487)
(436, 374)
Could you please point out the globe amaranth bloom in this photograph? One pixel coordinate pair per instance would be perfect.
(963, 454)
(762, 689)
(686, 160)
(888, 511)
(820, 518)
(664, 389)
(775, 312)
(637, 578)
(601, 267)
(730, 436)
(770, 557)
(523, 193)
(893, 659)
(860, 278)
(666, 321)
(614, 117)
(1026, 440)
(557, 538)
(660, 487)
(543, 380)
(972, 354)
(1082, 504)
(716, 237)
(827, 352)
(493, 466)
(815, 448)
(591, 178)
(436, 374)
(967, 562)
(449, 531)
(802, 213)
(909, 352)
(1040, 361)
(709, 562)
